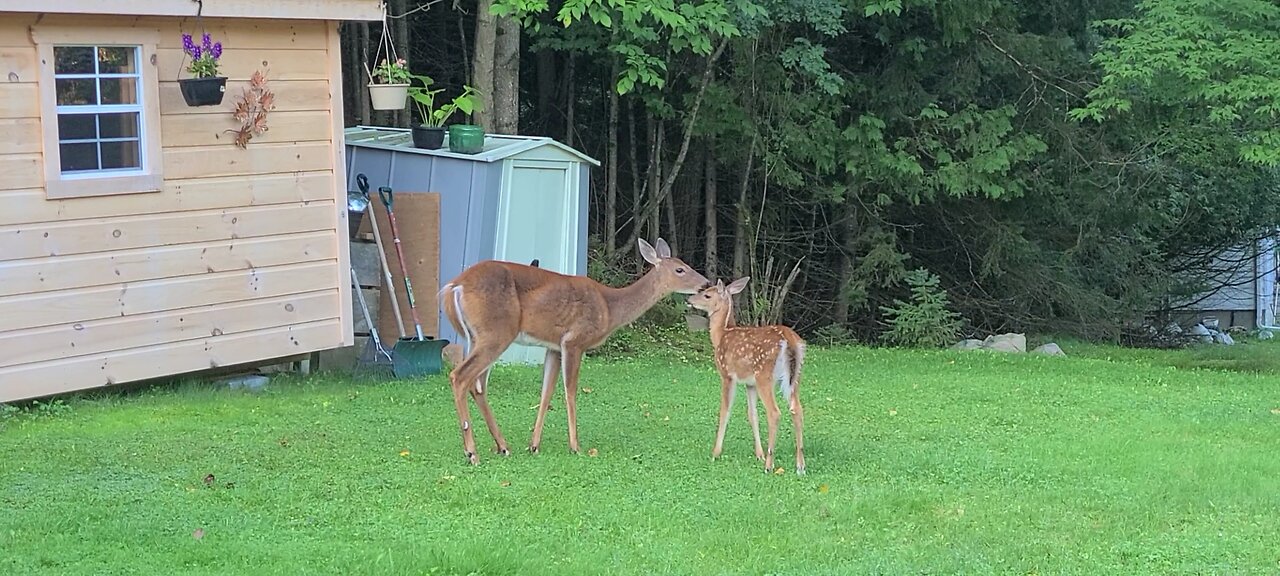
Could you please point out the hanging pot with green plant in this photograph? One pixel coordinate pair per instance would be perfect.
(389, 81)
(206, 87)
(429, 135)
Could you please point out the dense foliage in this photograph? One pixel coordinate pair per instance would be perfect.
(1063, 165)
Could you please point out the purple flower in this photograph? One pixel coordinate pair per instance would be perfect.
(195, 52)
(217, 50)
(187, 44)
(206, 42)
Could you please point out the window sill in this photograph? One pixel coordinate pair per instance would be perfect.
(103, 186)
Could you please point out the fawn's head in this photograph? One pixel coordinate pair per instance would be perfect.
(714, 298)
(674, 274)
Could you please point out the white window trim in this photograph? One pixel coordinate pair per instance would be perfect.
(151, 177)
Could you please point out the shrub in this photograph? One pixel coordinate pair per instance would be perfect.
(925, 321)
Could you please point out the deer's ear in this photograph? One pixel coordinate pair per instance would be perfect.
(720, 284)
(647, 252)
(664, 251)
(739, 284)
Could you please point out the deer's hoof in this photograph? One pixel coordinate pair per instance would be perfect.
(504, 452)
(533, 449)
(473, 458)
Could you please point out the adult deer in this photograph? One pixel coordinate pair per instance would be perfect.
(493, 304)
(756, 356)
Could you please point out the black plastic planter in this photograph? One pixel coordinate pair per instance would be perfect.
(203, 91)
(428, 137)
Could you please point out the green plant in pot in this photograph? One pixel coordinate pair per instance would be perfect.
(429, 134)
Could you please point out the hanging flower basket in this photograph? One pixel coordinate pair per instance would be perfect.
(388, 96)
(203, 91)
(206, 88)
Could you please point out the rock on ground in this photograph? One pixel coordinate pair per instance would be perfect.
(1050, 349)
(966, 345)
(1006, 343)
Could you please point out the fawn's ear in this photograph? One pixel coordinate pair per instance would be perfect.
(664, 251)
(647, 252)
(739, 285)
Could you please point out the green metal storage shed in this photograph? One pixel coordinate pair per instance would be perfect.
(520, 198)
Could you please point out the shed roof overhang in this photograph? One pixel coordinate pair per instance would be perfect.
(362, 10)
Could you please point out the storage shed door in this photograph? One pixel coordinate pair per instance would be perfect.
(537, 218)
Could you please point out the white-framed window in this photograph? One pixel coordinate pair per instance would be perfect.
(100, 111)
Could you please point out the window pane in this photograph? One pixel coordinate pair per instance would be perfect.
(119, 91)
(72, 60)
(116, 60)
(122, 125)
(79, 91)
(76, 127)
(79, 157)
(120, 155)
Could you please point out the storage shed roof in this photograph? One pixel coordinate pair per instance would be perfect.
(496, 146)
(367, 10)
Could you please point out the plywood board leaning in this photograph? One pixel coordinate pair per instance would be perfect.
(418, 220)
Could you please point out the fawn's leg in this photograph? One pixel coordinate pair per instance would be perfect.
(550, 372)
(754, 418)
(764, 381)
(727, 390)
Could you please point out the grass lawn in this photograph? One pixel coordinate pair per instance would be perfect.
(919, 462)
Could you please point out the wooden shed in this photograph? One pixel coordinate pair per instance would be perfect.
(520, 198)
(137, 240)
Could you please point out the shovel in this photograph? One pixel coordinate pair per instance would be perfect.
(414, 356)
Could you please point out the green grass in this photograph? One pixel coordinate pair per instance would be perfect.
(919, 462)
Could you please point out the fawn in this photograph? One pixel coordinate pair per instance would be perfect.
(757, 356)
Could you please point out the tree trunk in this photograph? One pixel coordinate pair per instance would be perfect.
(506, 77)
(654, 179)
(362, 93)
(482, 63)
(611, 170)
(673, 232)
(546, 60)
(849, 245)
(636, 187)
(462, 45)
(712, 250)
(743, 216)
(400, 36)
(569, 93)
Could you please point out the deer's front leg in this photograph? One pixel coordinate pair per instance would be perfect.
(727, 390)
(572, 361)
(550, 372)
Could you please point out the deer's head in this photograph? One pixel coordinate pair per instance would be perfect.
(673, 274)
(717, 297)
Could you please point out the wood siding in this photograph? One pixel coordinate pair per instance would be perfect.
(241, 258)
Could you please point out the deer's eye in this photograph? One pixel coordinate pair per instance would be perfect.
(706, 295)
(679, 270)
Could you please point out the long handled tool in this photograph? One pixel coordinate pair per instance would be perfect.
(388, 282)
(413, 356)
(373, 330)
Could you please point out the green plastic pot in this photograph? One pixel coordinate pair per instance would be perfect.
(466, 138)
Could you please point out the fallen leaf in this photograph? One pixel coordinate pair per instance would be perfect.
(586, 390)
(208, 479)
(504, 483)
(779, 471)
(444, 479)
(198, 534)
(404, 453)
(666, 418)
(822, 489)
(646, 414)
(893, 412)
(593, 452)
(1275, 411)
